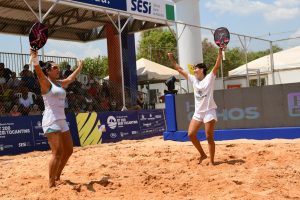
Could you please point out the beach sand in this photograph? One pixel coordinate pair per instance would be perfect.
(156, 169)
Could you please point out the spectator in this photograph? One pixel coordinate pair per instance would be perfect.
(15, 111)
(2, 78)
(6, 72)
(90, 108)
(68, 71)
(140, 100)
(105, 90)
(28, 77)
(35, 110)
(26, 72)
(13, 82)
(25, 102)
(2, 110)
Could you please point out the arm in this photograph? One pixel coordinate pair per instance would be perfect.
(43, 80)
(72, 77)
(176, 66)
(218, 62)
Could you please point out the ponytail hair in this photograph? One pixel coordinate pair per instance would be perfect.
(46, 66)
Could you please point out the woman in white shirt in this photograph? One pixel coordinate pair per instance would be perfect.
(54, 122)
(205, 106)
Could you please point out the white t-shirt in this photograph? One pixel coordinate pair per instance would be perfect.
(203, 92)
(26, 102)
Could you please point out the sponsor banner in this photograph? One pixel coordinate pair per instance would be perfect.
(254, 107)
(119, 125)
(152, 121)
(160, 9)
(41, 142)
(114, 4)
(131, 124)
(15, 135)
(89, 128)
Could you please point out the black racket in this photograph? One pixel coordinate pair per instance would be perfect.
(222, 38)
(38, 36)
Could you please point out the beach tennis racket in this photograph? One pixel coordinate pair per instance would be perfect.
(38, 35)
(222, 38)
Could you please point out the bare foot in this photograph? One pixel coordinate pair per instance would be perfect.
(202, 158)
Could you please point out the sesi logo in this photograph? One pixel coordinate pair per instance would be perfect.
(141, 6)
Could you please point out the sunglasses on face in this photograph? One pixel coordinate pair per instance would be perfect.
(55, 67)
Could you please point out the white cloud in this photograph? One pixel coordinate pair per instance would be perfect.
(296, 34)
(281, 14)
(278, 10)
(240, 7)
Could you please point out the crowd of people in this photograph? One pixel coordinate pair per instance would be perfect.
(20, 94)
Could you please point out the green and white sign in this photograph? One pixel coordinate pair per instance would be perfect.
(158, 9)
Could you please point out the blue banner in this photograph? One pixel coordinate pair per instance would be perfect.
(15, 135)
(152, 121)
(116, 126)
(41, 142)
(114, 4)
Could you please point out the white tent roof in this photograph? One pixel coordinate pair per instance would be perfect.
(285, 59)
(152, 72)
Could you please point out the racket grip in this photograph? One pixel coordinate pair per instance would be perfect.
(223, 54)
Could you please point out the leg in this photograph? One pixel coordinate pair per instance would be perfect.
(192, 133)
(67, 144)
(209, 131)
(56, 148)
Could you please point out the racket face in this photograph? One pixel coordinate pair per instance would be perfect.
(38, 35)
(221, 36)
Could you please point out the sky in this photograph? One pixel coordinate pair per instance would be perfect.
(268, 19)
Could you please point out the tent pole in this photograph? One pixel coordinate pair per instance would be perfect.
(272, 62)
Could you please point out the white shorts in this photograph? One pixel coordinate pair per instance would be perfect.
(60, 125)
(206, 116)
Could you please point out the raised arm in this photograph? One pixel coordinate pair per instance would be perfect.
(43, 80)
(72, 77)
(218, 62)
(176, 66)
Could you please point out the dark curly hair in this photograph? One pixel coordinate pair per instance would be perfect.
(202, 66)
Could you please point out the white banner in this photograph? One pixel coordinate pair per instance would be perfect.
(158, 9)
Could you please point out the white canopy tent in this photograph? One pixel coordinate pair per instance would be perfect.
(286, 67)
(152, 72)
(149, 72)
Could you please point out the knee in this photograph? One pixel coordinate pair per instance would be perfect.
(192, 134)
(210, 138)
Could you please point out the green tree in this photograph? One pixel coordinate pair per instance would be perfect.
(155, 44)
(97, 66)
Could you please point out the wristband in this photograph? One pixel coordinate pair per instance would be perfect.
(35, 61)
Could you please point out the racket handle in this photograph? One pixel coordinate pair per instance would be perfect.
(223, 54)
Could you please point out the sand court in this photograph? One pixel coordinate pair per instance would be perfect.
(156, 169)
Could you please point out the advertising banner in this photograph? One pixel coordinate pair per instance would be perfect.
(160, 9)
(114, 4)
(131, 124)
(15, 135)
(254, 107)
(41, 142)
(119, 125)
